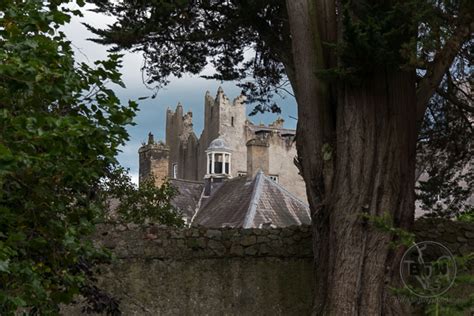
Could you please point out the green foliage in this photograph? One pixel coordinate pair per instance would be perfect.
(146, 203)
(455, 301)
(184, 37)
(458, 300)
(374, 34)
(384, 223)
(445, 155)
(467, 216)
(60, 130)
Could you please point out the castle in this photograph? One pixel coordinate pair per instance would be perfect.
(233, 161)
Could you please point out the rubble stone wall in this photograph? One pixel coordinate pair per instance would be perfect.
(198, 271)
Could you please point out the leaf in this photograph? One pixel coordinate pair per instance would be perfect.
(4, 265)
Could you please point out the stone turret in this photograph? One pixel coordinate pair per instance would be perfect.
(153, 160)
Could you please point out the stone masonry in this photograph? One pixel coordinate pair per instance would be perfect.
(227, 120)
(153, 159)
(227, 271)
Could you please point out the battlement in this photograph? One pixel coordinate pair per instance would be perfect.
(179, 112)
(226, 119)
(155, 146)
(221, 99)
(179, 125)
(153, 160)
(271, 134)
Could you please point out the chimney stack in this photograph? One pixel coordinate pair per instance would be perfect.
(257, 157)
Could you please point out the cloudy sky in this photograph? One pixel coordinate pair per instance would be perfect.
(188, 90)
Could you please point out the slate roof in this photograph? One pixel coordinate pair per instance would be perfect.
(227, 205)
(242, 202)
(187, 199)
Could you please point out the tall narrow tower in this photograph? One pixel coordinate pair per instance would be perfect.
(153, 161)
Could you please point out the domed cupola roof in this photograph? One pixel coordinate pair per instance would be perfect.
(218, 145)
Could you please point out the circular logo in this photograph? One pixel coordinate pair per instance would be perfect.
(428, 269)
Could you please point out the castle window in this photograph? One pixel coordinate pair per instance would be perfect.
(175, 171)
(232, 121)
(218, 163)
(273, 177)
(227, 164)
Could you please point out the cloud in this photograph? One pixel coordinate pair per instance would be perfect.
(134, 177)
(189, 90)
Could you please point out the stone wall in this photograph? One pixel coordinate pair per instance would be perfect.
(458, 237)
(197, 271)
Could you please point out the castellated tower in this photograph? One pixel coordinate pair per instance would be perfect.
(224, 119)
(183, 143)
(269, 149)
(153, 160)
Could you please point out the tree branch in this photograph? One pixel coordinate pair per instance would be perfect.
(455, 101)
(440, 65)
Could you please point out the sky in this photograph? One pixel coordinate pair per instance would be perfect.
(189, 90)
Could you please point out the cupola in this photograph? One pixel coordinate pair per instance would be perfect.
(218, 159)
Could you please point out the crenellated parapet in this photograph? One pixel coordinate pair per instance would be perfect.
(153, 160)
(273, 133)
(179, 125)
(226, 119)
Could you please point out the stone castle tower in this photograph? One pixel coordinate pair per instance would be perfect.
(153, 159)
(270, 149)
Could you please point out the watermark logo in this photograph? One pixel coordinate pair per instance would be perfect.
(428, 269)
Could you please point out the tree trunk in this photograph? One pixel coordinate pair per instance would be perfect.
(356, 146)
(374, 163)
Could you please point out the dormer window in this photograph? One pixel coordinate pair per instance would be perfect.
(218, 159)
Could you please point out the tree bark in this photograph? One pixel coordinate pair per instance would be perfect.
(374, 161)
(356, 147)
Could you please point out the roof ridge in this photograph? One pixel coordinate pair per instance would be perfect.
(257, 190)
(209, 198)
(198, 207)
(282, 188)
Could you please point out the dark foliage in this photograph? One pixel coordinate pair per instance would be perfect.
(60, 129)
(236, 38)
(179, 37)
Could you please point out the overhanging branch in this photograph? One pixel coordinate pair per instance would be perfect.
(440, 65)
